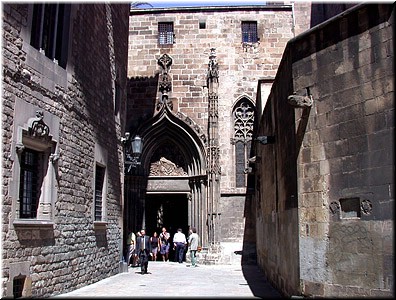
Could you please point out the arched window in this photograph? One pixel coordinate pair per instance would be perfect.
(243, 119)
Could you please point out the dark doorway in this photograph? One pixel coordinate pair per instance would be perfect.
(169, 211)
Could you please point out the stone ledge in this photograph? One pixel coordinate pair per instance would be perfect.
(33, 224)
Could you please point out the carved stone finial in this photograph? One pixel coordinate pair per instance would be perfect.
(213, 66)
(165, 84)
(165, 61)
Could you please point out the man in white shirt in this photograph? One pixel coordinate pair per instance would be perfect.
(179, 242)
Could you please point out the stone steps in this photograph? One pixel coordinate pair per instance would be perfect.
(215, 255)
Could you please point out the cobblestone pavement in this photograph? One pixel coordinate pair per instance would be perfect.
(170, 279)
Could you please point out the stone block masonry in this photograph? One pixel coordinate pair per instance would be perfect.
(64, 247)
(336, 193)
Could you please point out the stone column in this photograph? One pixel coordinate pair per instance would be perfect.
(214, 170)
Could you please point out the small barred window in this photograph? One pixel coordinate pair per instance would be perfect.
(165, 33)
(249, 32)
(99, 184)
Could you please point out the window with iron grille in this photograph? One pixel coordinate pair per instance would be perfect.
(99, 183)
(50, 30)
(249, 32)
(30, 184)
(165, 33)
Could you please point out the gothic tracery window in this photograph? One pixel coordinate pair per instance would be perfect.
(243, 119)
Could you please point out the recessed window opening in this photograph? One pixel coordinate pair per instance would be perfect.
(165, 33)
(249, 32)
(31, 178)
(350, 208)
(50, 30)
(17, 286)
(202, 24)
(99, 184)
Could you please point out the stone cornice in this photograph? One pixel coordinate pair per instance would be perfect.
(224, 8)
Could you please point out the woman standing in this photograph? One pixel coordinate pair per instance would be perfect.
(155, 244)
(164, 244)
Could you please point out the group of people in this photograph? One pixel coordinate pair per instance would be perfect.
(142, 247)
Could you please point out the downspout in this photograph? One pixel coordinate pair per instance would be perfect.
(294, 20)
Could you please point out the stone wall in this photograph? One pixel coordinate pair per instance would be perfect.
(340, 154)
(64, 248)
(276, 188)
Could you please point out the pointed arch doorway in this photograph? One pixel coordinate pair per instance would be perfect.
(169, 187)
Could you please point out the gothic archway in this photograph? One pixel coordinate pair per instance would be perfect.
(173, 165)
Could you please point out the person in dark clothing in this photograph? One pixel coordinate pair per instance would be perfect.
(143, 250)
(164, 239)
(155, 244)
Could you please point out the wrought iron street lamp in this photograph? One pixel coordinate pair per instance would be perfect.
(132, 150)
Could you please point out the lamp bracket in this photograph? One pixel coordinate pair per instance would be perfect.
(266, 139)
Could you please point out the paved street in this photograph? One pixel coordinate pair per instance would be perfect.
(170, 279)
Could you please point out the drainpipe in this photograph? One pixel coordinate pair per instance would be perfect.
(294, 20)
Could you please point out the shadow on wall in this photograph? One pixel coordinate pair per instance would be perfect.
(249, 252)
(142, 98)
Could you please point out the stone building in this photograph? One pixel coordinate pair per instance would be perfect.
(63, 100)
(324, 181)
(193, 76)
(301, 185)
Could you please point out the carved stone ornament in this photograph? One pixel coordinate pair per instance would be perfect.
(366, 207)
(37, 127)
(213, 66)
(213, 160)
(165, 100)
(165, 167)
(193, 125)
(165, 84)
(165, 61)
(300, 101)
(334, 207)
